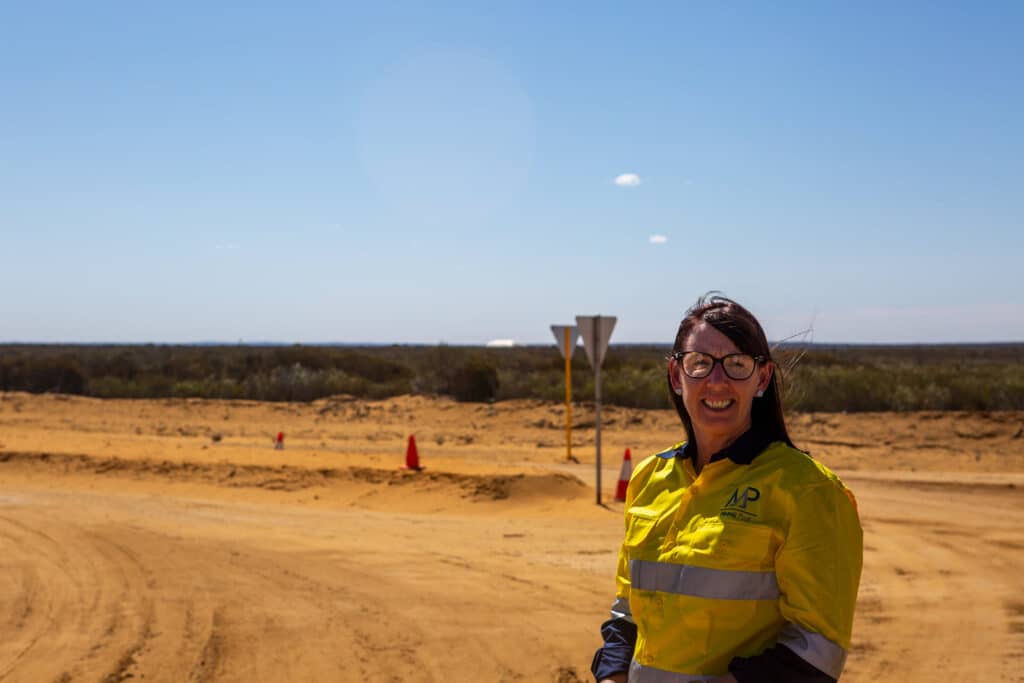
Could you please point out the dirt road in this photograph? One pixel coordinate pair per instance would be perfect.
(130, 554)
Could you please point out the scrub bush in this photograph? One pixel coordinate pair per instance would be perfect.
(476, 381)
(815, 378)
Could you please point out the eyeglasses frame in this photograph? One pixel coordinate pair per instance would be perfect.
(678, 356)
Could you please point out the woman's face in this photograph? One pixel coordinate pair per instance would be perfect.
(719, 406)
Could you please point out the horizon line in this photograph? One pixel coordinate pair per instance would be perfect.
(269, 343)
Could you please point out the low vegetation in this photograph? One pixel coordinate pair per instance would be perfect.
(816, 378)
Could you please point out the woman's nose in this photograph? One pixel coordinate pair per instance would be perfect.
(717, 373)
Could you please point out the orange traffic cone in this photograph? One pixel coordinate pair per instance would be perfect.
(624, 474)
(412, 456)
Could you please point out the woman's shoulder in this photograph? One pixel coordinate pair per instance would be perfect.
(799, 469)
(660, 460)
(801, 478)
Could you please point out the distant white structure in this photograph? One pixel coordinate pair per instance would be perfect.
(627, 180)
(501, 343)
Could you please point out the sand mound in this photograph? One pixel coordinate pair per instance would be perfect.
(470, 487)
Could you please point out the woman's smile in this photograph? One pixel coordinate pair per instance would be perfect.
(719, 405)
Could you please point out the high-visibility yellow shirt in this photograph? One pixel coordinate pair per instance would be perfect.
(735, 560)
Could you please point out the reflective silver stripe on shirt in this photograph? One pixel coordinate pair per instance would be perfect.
(620, 610)
(701, 582)
(638, 673)
(815, 649)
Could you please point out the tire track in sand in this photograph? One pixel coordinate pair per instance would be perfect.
(933, 583)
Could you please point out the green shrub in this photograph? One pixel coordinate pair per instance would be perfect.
(818, 378)
(476, 381)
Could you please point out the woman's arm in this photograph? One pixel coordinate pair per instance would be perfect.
(818, 570)
(612, 659)
(777, 663)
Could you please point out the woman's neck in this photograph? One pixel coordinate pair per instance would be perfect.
(709, 444)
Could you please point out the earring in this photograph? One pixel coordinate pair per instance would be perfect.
(678, 391)
(760, 393)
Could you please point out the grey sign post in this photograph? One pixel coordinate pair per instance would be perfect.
(596, 330)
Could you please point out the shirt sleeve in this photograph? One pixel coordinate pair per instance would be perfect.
(818, 569)
(619, 632)
(777, 664)
(617, 652)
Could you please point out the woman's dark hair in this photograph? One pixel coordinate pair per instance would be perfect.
(742, 328)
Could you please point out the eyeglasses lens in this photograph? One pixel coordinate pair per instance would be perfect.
(697, 365)
(736, 365)
(739, 366)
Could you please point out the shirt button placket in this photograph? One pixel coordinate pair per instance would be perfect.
(684, 503)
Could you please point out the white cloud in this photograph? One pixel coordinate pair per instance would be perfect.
(657, 239)
(627, 180)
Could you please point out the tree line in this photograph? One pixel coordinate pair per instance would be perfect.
(815, 377)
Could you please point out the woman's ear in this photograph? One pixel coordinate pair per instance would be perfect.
(673, 376)
(765, 377)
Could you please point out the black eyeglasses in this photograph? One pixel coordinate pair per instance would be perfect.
(697, 364)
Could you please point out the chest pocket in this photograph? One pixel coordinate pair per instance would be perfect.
(729, 545)
(641, 529)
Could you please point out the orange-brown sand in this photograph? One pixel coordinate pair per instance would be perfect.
(168, 540)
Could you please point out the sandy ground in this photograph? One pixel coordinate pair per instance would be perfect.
(169, 541)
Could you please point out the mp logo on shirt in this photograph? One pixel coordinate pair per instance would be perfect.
(740, 500)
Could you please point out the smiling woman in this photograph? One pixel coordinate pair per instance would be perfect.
(742, 555)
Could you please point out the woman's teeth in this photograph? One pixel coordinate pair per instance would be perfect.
(718, 405)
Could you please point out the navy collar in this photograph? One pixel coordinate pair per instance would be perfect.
(742, 451)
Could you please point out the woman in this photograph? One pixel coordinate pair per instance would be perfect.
(742, 555)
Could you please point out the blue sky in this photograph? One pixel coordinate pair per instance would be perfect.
(430, 172)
